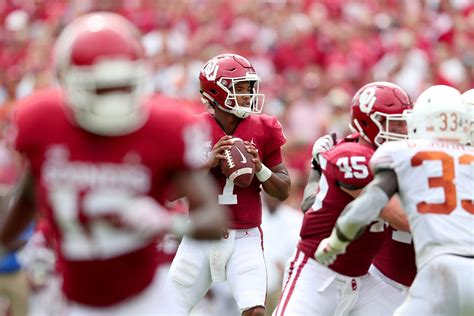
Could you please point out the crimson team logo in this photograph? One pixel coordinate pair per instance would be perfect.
(367, 99)
(210, 70)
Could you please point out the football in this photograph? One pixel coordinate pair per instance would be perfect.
(238, 165)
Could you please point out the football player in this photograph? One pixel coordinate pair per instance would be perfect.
(434, 174)
(101, 154)
(310, 288)
(230, 86)
(395, 262)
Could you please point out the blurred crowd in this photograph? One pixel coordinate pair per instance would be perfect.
(312, 55)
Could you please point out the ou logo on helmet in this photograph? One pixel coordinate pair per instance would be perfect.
(367, 100)
(210, 70)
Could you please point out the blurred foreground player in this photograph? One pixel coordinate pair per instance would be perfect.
(100, 159)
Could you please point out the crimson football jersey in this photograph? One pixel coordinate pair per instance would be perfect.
(346, 164)
(396, 258)
(82, 179)
(245, 203)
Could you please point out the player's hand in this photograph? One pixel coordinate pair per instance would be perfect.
(254, 151)
(145, 216)
(216, 153)
(38, 260)
(323, 144)
(328, 249)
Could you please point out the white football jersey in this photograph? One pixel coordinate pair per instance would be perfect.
(436, 186)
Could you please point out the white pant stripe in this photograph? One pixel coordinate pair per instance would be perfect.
(296, 262)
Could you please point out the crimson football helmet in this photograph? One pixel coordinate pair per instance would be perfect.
(218, 79)
(376, 111)
(101, 67)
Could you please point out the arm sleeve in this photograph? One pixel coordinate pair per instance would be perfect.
(362, 211)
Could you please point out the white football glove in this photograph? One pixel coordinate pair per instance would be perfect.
(323, 144)
(146, 216)
(150, 219)
(329, 248)
(38, 260)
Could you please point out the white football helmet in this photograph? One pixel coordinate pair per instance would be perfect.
(440, 114)
(468, 99)
(101, 67)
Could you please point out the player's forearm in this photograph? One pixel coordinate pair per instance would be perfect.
(362, 211)
(393, 214)
(15, 222)
(308, 201)
(207, 222)
(278, 185)
(18, 210)
(309, 194)
(207, 218)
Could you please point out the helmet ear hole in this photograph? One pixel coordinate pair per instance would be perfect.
(213, 91)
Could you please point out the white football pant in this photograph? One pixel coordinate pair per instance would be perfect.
(238, 259)
(443, 286)
(400, 291)
(310, 288)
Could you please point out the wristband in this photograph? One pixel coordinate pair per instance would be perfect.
(264, 174)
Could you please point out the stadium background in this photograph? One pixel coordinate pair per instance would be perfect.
(312, 55)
